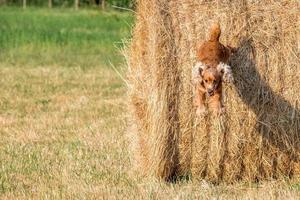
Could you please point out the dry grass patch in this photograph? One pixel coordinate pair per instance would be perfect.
(63, 136)
(59, 127)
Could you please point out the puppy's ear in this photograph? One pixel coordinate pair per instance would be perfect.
(226, 72)
(221, 68)
(197, 72)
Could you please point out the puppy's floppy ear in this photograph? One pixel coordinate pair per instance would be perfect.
(221, 68)
(226, 72)
(197, 71)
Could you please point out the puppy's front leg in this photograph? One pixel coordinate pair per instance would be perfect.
(216, 103)
(199, 102)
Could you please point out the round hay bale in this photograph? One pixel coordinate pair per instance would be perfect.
(259, 136)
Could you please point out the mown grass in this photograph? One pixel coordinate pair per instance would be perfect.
(58, 130)
(63, 114)
(61, 103)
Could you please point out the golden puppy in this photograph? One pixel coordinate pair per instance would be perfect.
(209, 72)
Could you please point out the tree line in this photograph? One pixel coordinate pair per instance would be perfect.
(69, 3)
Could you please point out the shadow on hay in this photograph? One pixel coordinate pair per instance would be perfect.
(277, 120)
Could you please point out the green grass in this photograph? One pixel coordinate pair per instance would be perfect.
(63, 114)
(66, 37)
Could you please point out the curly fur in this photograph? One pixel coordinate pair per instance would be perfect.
(210, 70)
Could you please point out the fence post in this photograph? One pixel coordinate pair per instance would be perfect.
(24, 4)
(76, 4)
(2, 2)
(50, 3)
(103, 4)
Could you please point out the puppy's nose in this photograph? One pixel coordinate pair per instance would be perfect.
(210, 92)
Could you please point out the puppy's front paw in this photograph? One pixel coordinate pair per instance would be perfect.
(201, 111)
(228, 78)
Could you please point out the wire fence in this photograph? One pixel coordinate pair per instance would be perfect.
(77, 4)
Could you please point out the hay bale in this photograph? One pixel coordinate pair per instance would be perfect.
(259, 137)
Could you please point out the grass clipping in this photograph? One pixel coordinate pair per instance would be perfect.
(259, 136)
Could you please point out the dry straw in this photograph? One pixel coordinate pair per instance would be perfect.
(259, 136)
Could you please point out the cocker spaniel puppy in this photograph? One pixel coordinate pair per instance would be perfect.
(210, 71)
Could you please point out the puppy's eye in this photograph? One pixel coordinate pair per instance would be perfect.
(215, 81)
(206, 81)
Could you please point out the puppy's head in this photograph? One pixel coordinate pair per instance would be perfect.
(212, 78)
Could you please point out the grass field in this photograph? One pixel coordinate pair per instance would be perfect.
(61, 37)
(63, 114)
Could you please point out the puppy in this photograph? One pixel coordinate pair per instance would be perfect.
(210, 71)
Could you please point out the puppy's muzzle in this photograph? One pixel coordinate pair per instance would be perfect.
(210, 92)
